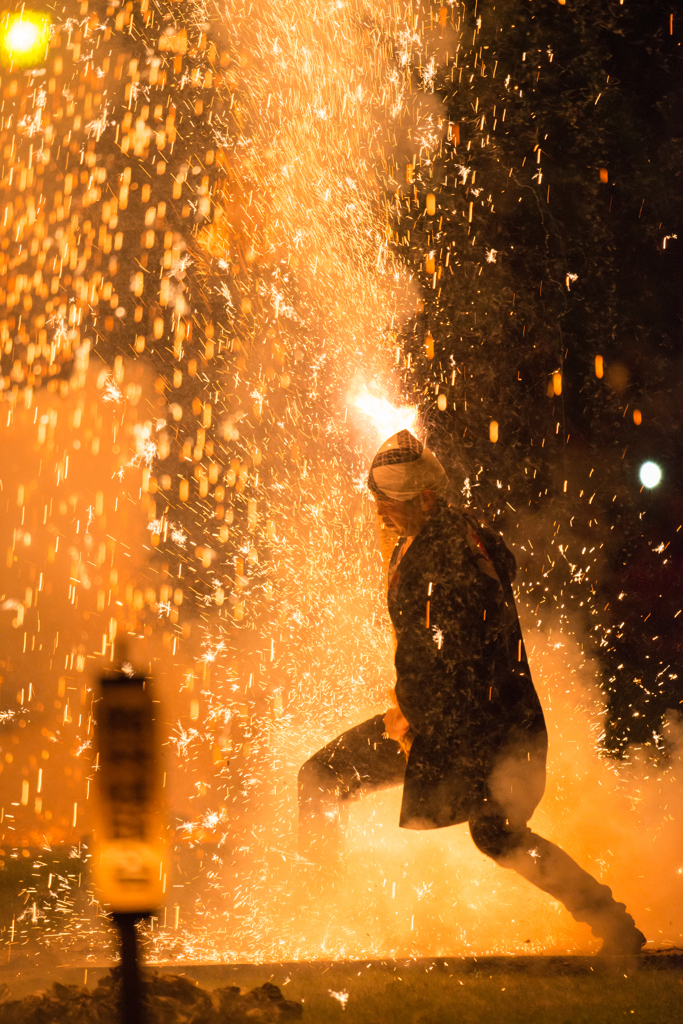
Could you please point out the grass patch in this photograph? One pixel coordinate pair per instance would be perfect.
(381, 995)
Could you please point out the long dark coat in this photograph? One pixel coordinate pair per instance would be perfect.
(462, 677)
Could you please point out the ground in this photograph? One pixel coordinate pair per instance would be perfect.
(529, 990)
(495, 990)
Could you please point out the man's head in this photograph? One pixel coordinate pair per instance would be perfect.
(405, 478)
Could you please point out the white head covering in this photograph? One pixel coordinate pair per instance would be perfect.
(403, 468)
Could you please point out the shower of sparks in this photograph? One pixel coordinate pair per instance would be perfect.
(200, 207)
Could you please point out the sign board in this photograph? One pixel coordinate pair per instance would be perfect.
(129, 855)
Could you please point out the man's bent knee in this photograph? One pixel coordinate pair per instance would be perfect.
(493, 837)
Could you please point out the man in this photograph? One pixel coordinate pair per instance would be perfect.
(468, 716)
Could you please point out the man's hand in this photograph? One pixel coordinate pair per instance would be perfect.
(396, 724)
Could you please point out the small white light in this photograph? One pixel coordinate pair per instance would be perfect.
(650, 474)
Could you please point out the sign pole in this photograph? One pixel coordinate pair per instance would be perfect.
(129, 852)
(132, 1010)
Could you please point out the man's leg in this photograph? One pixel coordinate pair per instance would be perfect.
(552, 870)
(360, 760)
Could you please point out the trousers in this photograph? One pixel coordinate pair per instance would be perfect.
(363, 760)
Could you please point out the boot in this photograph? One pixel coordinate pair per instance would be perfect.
(619, 934)
(587, 900)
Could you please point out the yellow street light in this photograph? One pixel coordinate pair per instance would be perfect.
(24, 38)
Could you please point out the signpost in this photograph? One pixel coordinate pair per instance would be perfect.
(129, 855)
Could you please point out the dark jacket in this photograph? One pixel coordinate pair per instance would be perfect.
(462, 677)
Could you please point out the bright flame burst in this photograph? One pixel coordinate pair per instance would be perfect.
(387, 419)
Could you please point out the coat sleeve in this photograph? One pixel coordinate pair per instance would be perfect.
(444, 640)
